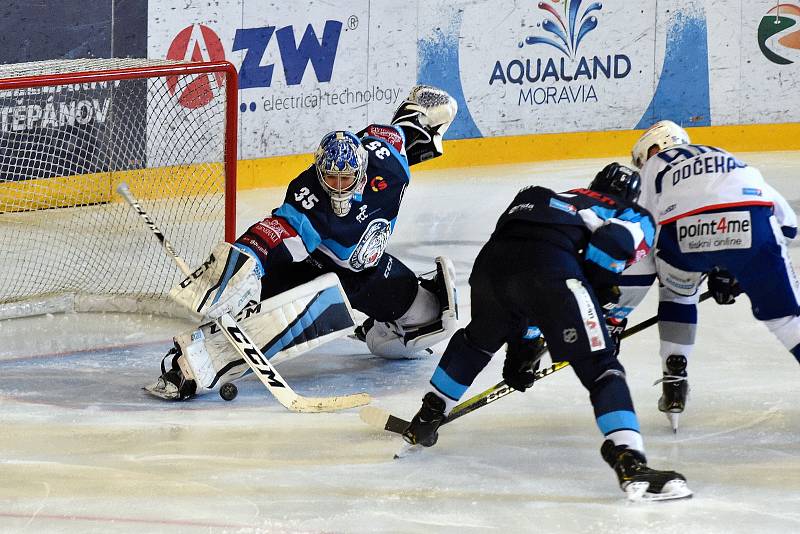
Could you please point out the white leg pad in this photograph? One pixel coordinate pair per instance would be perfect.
(403, 338)
(284, 326)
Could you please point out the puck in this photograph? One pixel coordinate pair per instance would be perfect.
(228, 391)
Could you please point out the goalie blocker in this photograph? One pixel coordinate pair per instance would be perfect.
(284, 326)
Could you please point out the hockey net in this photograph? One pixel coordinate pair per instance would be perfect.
(71, 131)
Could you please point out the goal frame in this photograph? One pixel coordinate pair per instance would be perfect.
(159, 71)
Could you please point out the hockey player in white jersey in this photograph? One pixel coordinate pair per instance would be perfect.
(716, 217)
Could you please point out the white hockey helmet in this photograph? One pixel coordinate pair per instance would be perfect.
(662, 134)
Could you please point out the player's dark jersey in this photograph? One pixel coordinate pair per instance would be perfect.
(611, 232)
(305, 223)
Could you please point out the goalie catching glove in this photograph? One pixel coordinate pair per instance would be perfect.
(225, 283)
(424, 117)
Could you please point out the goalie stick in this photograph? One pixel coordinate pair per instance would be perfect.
(248, 350)
(384, 420)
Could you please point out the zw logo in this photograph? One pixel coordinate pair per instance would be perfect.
(196, 43)
(197, 273)
(255, 357)
(294, 57)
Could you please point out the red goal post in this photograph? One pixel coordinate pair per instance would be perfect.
(70, 131)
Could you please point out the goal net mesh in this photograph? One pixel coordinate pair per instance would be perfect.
(67, 240)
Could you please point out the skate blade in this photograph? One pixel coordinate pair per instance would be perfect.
(673, 418)
(406, 450)
(162, 393)
(672, 490)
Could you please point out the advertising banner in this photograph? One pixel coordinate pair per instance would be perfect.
(305, 68)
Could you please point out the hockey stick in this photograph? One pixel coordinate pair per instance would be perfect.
(382, 419)
(248, 350)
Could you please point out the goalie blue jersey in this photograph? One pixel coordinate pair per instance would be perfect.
(305, 224)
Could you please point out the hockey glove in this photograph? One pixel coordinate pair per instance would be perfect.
(616, 327)
(723, 286)
(522, 362)
(424, 117)
(224, 283)
(608, 297)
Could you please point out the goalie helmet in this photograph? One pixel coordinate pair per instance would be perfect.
(618, 180)
(662, 134)
(341, 163)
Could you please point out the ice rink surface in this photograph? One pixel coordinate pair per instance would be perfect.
(84, 449)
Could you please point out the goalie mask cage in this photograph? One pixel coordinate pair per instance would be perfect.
(72, 130)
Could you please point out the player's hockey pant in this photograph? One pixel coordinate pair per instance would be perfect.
(764, 272)
(517, 281)
(384, 292)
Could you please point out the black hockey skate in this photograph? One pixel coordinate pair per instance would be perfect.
(639, 482)
(424, 427)
(172, 385)
(675, 389)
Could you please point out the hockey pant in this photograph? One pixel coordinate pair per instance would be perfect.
(763, 269)
(545, 286)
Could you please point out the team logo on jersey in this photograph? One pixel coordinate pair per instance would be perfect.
(370, 247)
(378, 184)
(778, 35)
(196, 43)
(715, 231)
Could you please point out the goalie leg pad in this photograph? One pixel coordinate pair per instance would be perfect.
(284, 326)
(436, 304)
(224, 283)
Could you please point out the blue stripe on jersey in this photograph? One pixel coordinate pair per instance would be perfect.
(401, 158)
(446, 385)
(603, 213)
(677, 313)
(646, 224)
(342, 252)
(619, 420)
(301, 225)
(253, 255)
(604, 260)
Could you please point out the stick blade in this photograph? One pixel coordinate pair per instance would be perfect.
(328, 404)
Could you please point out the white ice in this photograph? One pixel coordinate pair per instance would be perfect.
(83, 449)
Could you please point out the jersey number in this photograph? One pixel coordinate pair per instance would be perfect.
(379, 150)
(306, 199)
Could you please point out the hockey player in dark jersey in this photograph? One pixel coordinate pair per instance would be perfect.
(337, 217)
(569, 250)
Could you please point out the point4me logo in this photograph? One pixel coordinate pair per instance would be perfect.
(779, 34)
(196, 43)
(560, 74)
